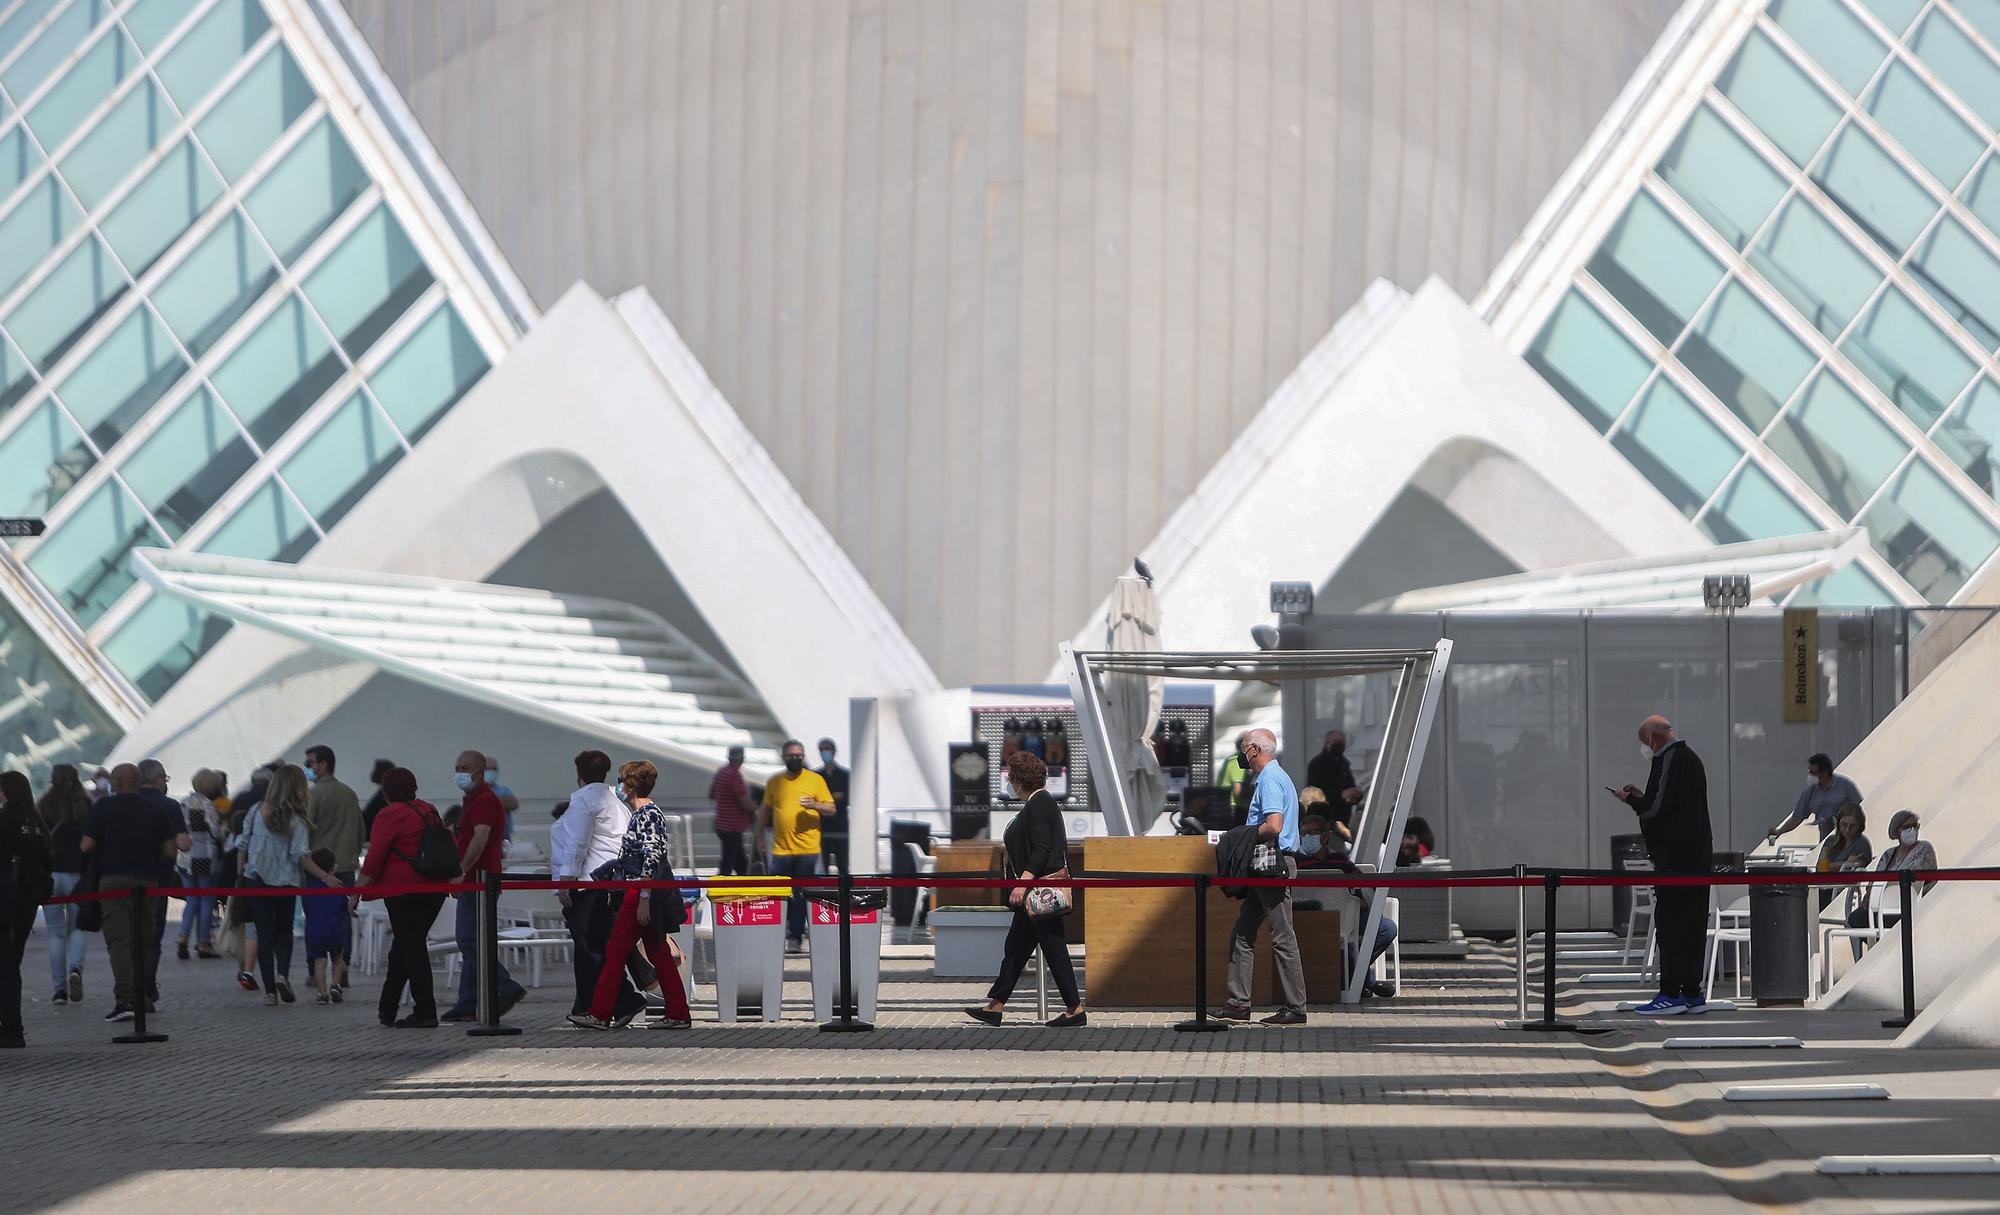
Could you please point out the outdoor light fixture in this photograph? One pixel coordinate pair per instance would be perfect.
(1292, 598)
(1265, 635)
(1725, 591)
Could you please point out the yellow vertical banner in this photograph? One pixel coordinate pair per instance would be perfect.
(1801, 650)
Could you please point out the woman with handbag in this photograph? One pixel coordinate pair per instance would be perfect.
(648, 916)
(275, 851)
(1037, 847)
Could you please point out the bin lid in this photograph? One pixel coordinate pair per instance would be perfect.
(872, 899)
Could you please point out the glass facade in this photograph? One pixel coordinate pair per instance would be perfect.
(1791, 325)
(215, 330)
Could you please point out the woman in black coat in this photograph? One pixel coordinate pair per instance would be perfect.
(1036, 847)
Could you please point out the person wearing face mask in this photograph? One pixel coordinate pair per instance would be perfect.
(833, 827)
(794, 802)
(508, 801)
(481, 824)
(336, 825)
(1235, 777)
(1331, 773)
(1825, 794)
(1673, 818)
(1910, 851)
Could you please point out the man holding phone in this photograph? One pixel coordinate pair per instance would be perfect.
(1673, 818)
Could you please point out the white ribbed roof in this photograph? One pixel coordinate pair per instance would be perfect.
(1668, 580)
(595, 665)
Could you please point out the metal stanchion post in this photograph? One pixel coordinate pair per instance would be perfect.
(1908, 925)
(1202, 1023)
(846, 1001)
(142, 920)
(1521, 944)
(489, 962)
(1548, 1023)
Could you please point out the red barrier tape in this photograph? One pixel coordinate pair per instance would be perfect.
(1167, 881)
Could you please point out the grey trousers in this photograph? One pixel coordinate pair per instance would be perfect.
(1273, 904)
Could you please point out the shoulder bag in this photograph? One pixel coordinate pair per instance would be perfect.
(1048, 902)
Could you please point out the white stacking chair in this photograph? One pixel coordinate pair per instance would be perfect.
(1642, 908)
(1391, 961)
(925, 864)
(1735, 933)
(1885, 899)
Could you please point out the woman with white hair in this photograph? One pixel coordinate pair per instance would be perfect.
(1908, 852)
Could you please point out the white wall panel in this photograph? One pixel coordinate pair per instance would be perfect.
(995, 281)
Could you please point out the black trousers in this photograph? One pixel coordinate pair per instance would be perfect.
(833, 852)
(1023, 936)
(1680, 919)
(410, 920)
(273, 916)
(14, 932)
(735, 856)
(589, 920)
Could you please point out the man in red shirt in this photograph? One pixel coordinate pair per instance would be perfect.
(482, 823)
(733, 809)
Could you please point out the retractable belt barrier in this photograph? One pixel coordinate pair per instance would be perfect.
(1519, 878)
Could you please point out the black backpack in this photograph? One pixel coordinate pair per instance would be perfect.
(437, 854)
(30, 872)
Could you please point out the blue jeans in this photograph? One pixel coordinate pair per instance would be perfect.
(66, 940)
(198, 913)
(468, 959)
(795, 866)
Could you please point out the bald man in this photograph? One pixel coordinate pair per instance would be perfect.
(482, 823)
(1673, 817)
(130, 838)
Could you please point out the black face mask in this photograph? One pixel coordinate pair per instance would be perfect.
(794, 764)
(1336, 749)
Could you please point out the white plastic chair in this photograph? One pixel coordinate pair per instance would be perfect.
(1392, 958)
(1642, 906)
(1736, 936)
(925, 864)
(1885, 899)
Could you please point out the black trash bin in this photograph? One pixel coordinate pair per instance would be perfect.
(1780, 947)
(1624, 850)
(903, 899)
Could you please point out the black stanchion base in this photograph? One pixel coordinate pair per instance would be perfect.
(845, 1027)
(129, 1039)
(492, 1031)
(1896, 1023)
(1561, 1027)
(1203, 1025)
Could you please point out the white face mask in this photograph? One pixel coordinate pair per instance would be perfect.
(1908, 835)
(1308, 843)
(1645, 753)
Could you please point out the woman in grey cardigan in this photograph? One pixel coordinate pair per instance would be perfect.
(1037, 846)
(1908, 852)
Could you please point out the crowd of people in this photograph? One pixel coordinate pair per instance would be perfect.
(299, 826)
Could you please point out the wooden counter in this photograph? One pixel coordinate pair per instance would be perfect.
(988, 858)
(1142, 941)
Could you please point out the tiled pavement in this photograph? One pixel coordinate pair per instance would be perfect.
(1422, 1104)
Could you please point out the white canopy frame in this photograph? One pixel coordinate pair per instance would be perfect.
(1420, 685)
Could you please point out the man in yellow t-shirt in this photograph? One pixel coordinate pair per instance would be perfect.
(793, 803)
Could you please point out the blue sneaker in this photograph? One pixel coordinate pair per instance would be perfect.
(1695, 1005)
(1662, 1006)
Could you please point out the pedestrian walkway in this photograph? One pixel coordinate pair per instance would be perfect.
(1420, 1104)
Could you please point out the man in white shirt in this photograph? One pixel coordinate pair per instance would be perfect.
(587, 836)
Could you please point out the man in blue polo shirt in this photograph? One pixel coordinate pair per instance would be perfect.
(1274, 811)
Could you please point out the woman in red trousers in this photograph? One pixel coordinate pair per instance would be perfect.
(649, 915)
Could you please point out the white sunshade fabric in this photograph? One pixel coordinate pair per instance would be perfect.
(595, 665)
(1132, 701)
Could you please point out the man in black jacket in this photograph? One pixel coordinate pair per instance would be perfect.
(1673, 817)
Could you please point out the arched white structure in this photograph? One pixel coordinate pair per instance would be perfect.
(995, 282)
(601, 398)
(1407, 391)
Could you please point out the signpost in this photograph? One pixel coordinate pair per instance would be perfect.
(14, 529)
